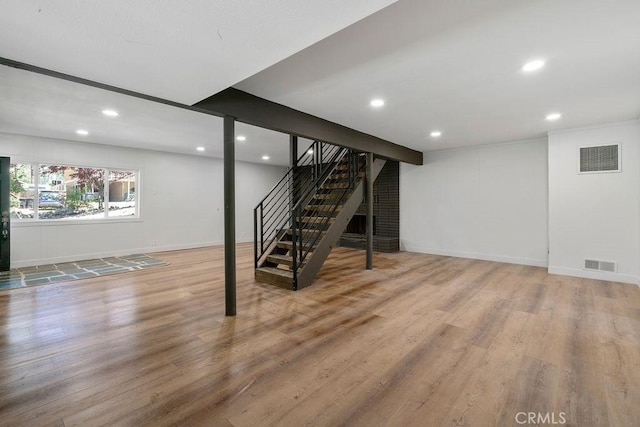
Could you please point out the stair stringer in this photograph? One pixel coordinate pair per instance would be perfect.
(308, 273)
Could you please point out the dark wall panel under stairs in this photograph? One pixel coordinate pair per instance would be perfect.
(386, 213)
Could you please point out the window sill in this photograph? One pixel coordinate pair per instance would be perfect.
(57, 222)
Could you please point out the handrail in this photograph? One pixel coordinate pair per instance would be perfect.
(317, 183)
(271, 214)
(299, 256)
(289, 207)
(306, 193)
(273, 210)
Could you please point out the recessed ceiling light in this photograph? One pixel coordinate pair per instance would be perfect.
(110, 113)
(553, 116)
(82, 132)
(241, 138)
(533, 65)
(265, 157)
(377, 102)
(200, 148)
(435, 134)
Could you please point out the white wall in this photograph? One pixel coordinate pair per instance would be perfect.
(484, 203)
(595, 216)
(181, 202)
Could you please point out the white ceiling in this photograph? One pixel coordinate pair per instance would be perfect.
(451, 65)
(38, 105)
(183, 51)
(454, 65)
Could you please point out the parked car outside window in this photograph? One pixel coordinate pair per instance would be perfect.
(50, 200)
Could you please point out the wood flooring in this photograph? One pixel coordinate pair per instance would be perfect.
(421, 340)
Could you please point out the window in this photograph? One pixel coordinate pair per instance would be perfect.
(22, 191)
(122, 193)
(70, 192)
(66, 192)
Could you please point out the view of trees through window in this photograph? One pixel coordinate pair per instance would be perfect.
(69, 192)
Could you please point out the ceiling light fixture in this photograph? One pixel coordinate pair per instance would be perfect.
(82, 132)
(241, 138)
(377, 102)
(533, 65)
(310, 151)
(110, 113)
(435, 134)
(200, 148)
(553, 116)
(265, 157)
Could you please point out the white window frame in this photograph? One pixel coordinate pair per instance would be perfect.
(36, 220)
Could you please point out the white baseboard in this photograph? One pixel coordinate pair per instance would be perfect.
(123, 252)
(597, 275)
(474, 255)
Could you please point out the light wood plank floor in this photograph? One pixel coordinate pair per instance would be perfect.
(421, 340)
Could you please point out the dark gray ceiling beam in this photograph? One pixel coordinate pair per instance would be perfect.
(250, 109)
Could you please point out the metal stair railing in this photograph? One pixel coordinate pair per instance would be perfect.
(305, 233)
(272, 215)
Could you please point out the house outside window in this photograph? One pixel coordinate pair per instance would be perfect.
(63, 192)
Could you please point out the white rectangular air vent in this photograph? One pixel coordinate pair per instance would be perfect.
(594, 264)
(602, 158)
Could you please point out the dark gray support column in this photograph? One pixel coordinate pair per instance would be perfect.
(369, 200)
(293, 150)
(229, 217)
(293, 158)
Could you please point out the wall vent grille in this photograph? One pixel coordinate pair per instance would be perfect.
(594, 264)
(603, 158)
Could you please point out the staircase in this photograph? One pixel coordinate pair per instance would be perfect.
(303, 216)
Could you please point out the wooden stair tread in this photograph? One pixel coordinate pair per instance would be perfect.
(282, 259)
(276, 271)
(337, 176)
(306, 232)
(343, 167)
(286, 244)
(275, 276)
(316, 220)
(325, 196)
(323, 207)
(346, 165)
(317, 213)
(334, 186)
